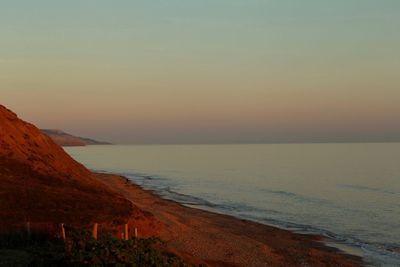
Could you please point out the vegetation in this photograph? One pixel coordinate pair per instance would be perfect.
(82, 250)
(38, 249)
(111, 251)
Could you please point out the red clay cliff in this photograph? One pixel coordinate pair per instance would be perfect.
(40, 182)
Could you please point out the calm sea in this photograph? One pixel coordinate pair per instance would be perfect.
(347, 192)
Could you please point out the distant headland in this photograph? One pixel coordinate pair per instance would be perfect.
(65, 139)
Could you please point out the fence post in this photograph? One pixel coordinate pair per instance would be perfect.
(94, 233)
(63, 232)
(126, 232)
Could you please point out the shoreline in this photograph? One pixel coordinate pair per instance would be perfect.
(216, 239)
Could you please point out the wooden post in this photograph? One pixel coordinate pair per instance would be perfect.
(94, 233)
(63, 232)
(126, 232)
(136, 235)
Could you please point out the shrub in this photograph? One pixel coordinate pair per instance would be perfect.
(83, 250)
(110, 251)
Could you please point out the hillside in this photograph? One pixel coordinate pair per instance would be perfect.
(40, 182)
(65, 139)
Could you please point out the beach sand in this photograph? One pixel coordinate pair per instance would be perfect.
(219, 240)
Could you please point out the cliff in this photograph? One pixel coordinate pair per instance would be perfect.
(40, 182)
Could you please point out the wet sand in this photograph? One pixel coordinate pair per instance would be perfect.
(220, 240)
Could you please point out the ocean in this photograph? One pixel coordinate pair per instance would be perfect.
(347, 192)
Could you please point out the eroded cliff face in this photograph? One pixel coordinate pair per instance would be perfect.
(39, 181)
(23, 142)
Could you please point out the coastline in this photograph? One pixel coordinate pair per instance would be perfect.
(221, 240)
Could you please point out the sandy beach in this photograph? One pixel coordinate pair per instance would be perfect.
(219, 240)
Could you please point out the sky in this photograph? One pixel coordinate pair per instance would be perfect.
(209, 71)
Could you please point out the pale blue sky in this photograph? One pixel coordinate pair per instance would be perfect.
(204, 71)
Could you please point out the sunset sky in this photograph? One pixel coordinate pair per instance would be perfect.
(209, 71)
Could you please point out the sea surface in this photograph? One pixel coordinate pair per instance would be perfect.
(349, 193)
